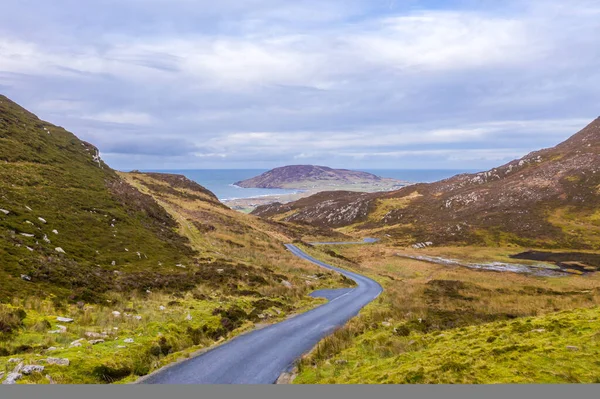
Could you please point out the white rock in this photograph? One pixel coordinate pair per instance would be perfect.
(25, 277)
(386, 324)
(126, 250)
(51, 349)
(180, 265)
(90, 334)
(76, 345)
(96, 341)
(188, 317)
(57, 361)
(113, 263)
(42, 220)
(60, 250)
(287, 284)
(161, 308)
(128, 340)
(46, 239)
(27, 235)
(64, 319)
(55, 231)
(61, 328)
(30, 369)
(28, 208)
(121, 346)
(220, 270)
(4, 211)
(116, 313)
(15, 360)
(12, 378)
(137, 317)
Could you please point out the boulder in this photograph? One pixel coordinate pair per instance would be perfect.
(58, 361)
(30, 369)
(12, 378)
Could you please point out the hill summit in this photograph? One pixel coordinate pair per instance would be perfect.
(297, 176)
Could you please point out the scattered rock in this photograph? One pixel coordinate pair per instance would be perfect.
(4, 211)
(128, 340)
(137, 317)
(58, 361)
(64, 319)
(55, 231)
(60, 250)
(287, 284)
(386, 324)
(341, 361)
(18, 368)
(77, 343)
(180, 265)
(27, 235)
(12, 378)
(116, 313)
(15, 360)
(30, 249)
(25, 277)
(96, 341)
(188, 317)
(42, 220)
(46, 239)
(573, 348)
(161, 307)
(51, 349)
(90, 334)
(30, 369)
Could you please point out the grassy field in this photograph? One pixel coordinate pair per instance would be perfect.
(441, 324)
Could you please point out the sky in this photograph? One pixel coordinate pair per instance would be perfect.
(361, 84)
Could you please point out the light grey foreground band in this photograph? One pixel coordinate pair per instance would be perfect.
(300, 392)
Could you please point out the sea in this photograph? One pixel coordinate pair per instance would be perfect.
(220, 181)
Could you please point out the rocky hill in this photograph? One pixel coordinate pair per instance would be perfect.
(549, 198)
(73, 228)
(301, 176)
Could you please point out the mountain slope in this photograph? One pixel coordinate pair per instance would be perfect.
(69, 222)
(549, 198)
(297, 176)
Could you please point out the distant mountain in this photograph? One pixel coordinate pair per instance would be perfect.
(549, 198)
(300, 176)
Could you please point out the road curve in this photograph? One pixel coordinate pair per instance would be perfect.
(260, 356)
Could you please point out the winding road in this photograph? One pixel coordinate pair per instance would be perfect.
(260, 356)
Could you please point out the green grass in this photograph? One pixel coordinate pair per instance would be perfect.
(558, 348)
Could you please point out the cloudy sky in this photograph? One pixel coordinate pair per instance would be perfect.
(179, 84)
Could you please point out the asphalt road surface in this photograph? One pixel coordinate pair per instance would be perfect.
(260, 356)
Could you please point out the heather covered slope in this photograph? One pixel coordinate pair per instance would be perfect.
(69, 224)
(549, 198)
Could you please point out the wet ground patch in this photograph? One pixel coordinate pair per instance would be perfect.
(570, 262)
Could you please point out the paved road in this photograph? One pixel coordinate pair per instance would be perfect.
(260, 356)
